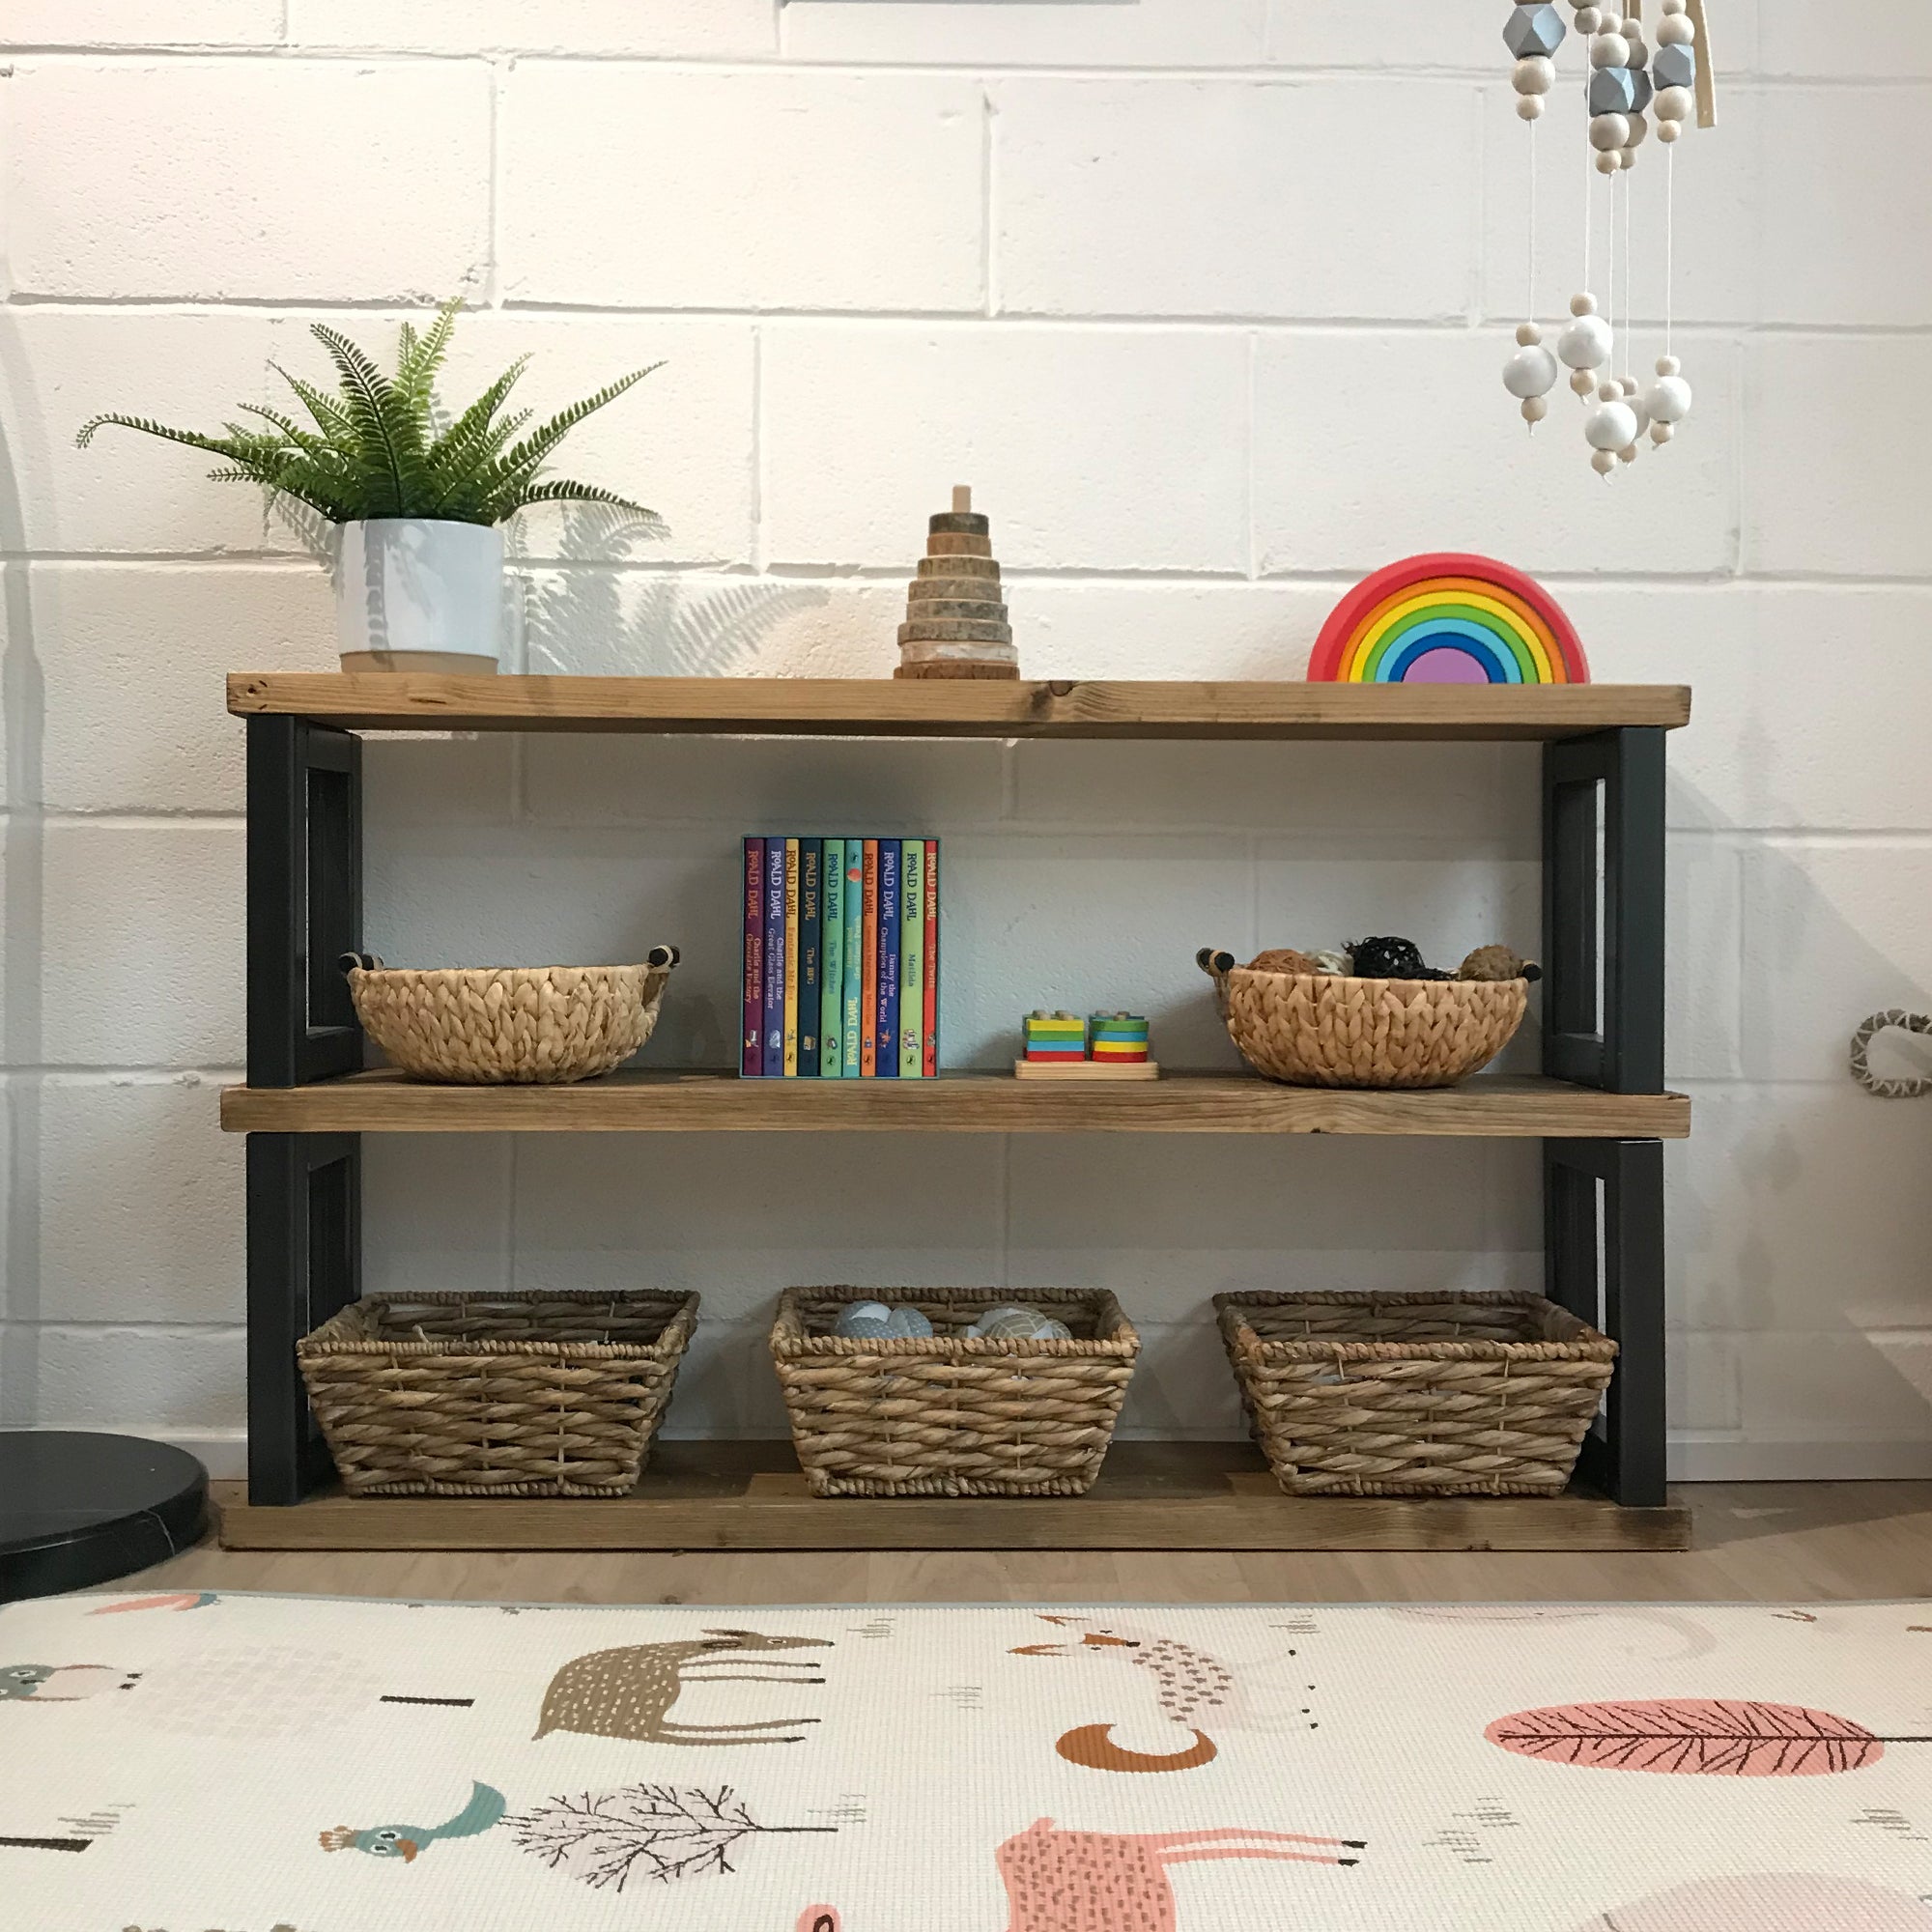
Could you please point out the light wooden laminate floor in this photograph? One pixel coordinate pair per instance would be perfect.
(1754, 1543)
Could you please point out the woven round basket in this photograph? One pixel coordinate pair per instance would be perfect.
(487, 1026)
(956, 1415)
(1407, 1395)
(1330, 1030)
(542, 1394)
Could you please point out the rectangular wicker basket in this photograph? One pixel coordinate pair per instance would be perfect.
(504, 1395)
(1402, 1394)
(954, 1416)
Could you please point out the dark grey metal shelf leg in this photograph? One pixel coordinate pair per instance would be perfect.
(304, 1265)
(1603, 1205)
(304, 1190)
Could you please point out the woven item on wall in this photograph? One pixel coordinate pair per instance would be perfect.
(1329, 1029)
(511, 1395)
(1419, 1394)
(954, 1416)
(510, 1024)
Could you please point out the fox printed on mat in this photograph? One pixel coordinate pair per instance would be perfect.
(396, 1767)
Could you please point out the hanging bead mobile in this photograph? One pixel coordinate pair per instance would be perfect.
(1629, 85)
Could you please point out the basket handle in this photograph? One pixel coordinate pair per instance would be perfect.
(1218, 965)
(662, 957)
(358, 962)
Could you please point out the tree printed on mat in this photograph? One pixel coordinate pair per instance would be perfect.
(661, 1832)
(1696, 1737)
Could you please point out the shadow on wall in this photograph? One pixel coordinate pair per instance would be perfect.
(1806, 1213)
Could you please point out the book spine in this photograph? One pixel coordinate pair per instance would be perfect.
(775, 962)
(832, 955)
(888, 1021)
(752, 1043)
(929, 978)
(855, 958)
(868, 966)
(912, 958)
(790, 1060)
(810, 959)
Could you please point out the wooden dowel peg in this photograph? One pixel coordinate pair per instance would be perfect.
(962, 498)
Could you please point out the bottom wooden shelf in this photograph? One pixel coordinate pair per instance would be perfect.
(1153, 1495)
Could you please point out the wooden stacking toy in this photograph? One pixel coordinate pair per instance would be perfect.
(1062, 1046)
(955, 610)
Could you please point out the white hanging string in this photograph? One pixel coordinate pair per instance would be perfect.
(1529, 305)
(1589, 205)
(1630, 281)
(1669, 242)
(1610, 273)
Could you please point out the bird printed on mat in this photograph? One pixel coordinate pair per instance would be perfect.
(1060, 1880)
(61, 1683)
(408, 1842)
(1192, 1690)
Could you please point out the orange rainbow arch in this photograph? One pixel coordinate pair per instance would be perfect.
(1448, 618)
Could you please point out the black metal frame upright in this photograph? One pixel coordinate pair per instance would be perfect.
(1604, 939)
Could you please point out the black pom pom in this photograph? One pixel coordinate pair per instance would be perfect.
(1386, 959)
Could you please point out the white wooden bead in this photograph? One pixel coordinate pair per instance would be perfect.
(1640, 53)
(1673, 7)
(1610, 51)
(1609, 426)
(1586, 344)
(1676, 30)
(1661, 434)
(1611, 21)
(1610, 390)
(1669, 365)
(1534, 410)
(1588, 19)
(1670, 399)
(1529, 107)
(1604, 461)
(1584, 385)
(1636, 406)
(1531, 371)
(1609, 132)
(1584, 305)
(1534, 75)
(1609, 161)
(1626, 157)
(1639, 129)
(1673, 103)
(1668, 131)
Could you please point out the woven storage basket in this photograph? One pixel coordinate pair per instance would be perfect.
(1402, 1394)
(956, 1415)
(504, 1395)
(1329, 1029)
(508, 1025)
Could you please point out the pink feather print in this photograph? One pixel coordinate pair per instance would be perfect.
(1698, 1736)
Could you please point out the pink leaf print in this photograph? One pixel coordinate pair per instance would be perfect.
(1698, 1736)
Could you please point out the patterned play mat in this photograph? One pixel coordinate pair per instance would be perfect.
(184, 1763)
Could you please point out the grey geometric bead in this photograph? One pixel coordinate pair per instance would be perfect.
(1612, 90)
(1645, 91)
(1534, 29)
(1674, 67)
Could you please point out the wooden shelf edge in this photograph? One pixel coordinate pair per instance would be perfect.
(1152, 1496)
(719, 1102)
(886, 707)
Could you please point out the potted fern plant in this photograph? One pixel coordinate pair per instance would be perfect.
(421, 497)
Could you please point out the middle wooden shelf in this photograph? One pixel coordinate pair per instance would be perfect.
(1489, 1106)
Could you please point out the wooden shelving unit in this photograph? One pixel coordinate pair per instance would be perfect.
(1599, 1110)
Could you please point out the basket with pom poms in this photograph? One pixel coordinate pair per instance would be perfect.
(1370, 1016)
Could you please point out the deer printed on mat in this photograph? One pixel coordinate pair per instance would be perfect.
(1060, 1881)
(1192, 1690)
(628, 1692)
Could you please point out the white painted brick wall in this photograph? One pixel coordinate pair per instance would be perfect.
(1206, 298)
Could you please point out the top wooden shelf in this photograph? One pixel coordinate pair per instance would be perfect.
(915, 708)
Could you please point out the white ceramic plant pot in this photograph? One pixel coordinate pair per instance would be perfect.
(417, 593)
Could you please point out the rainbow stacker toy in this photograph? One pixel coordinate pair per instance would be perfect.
(1062, 1046)
(1448, 618)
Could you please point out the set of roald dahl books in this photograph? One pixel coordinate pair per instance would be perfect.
(841, 958)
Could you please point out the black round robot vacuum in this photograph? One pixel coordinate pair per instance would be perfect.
(78, 1510)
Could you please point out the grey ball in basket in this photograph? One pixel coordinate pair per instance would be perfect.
(487, 1026)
